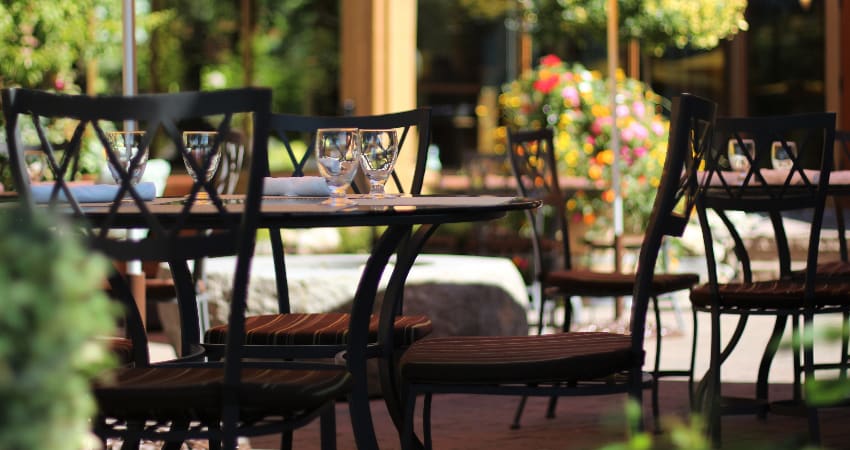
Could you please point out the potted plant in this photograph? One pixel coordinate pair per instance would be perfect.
(574, 101)
(53, 308)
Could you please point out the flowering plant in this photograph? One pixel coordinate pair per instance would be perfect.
(574, 101)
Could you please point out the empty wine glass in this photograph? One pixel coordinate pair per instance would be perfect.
(338, 156)
(379, 149)
(738, 155)
(203, 151)
(780, 154)
(131, 156)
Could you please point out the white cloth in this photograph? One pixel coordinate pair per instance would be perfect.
(296, 186)
(90, 193)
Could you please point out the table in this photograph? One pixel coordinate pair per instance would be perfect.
(399, 214)
(503, 184)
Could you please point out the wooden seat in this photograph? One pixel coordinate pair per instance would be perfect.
(533, 161)
(318, 329)
(327, 332)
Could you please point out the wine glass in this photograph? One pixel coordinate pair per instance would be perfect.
(202, 149)
(780, 154)
(131, 156)
(379, 149)
(338, 156)
(738, 154)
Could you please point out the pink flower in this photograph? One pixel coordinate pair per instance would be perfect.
(639, 109)
(640, 131)
(59, 83)
(570, 93)
(657, 128)
(596, 127)
(640, 151)
(622, 110)
(627, 134)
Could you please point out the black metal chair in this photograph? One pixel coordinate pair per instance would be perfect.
(571, 363)
(187, 398)
(776, 195)
(532, 155)
(313, 335)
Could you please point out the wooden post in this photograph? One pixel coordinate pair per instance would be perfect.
(378, 61)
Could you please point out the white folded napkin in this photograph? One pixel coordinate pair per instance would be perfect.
(296, 186)
(839, 177)
(90, 193)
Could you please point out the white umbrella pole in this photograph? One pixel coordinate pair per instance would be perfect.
(128, 22)
(613, 55)
(128, 31)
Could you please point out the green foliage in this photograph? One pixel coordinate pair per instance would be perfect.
(657, 24)
(357, 239)
(40, 41)
(53, 308)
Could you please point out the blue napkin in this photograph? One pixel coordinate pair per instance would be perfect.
(91, 193)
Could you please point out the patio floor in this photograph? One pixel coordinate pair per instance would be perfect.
(482, 422)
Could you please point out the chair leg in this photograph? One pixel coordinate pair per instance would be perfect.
(135, 443)
(767, 359)
(426, 420)
(656, 373)
(809, 365)
(540, 315)
(798, 365)
(691, 393)
(286, 439)
(550, 408)
(568, 314)
(230, 416)
(714, 392)
(518, 414)
(407, 428)
(327, 427)
(845, 344)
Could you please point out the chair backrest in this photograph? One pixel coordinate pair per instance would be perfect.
(691, 127)
(85, 121)
(842, 162)
(770, 192)
(290, 128)
(533, 162)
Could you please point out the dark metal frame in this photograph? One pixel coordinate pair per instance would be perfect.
(690, 131)
(533, 162)
(720, 191)
(235, 235)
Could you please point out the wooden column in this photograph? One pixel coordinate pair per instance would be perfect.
(844, 52)
(738, 74)
(378, 61)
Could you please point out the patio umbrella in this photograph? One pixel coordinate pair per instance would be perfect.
(128, 76)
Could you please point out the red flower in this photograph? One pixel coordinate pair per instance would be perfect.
(550, 60)
(545, 85)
